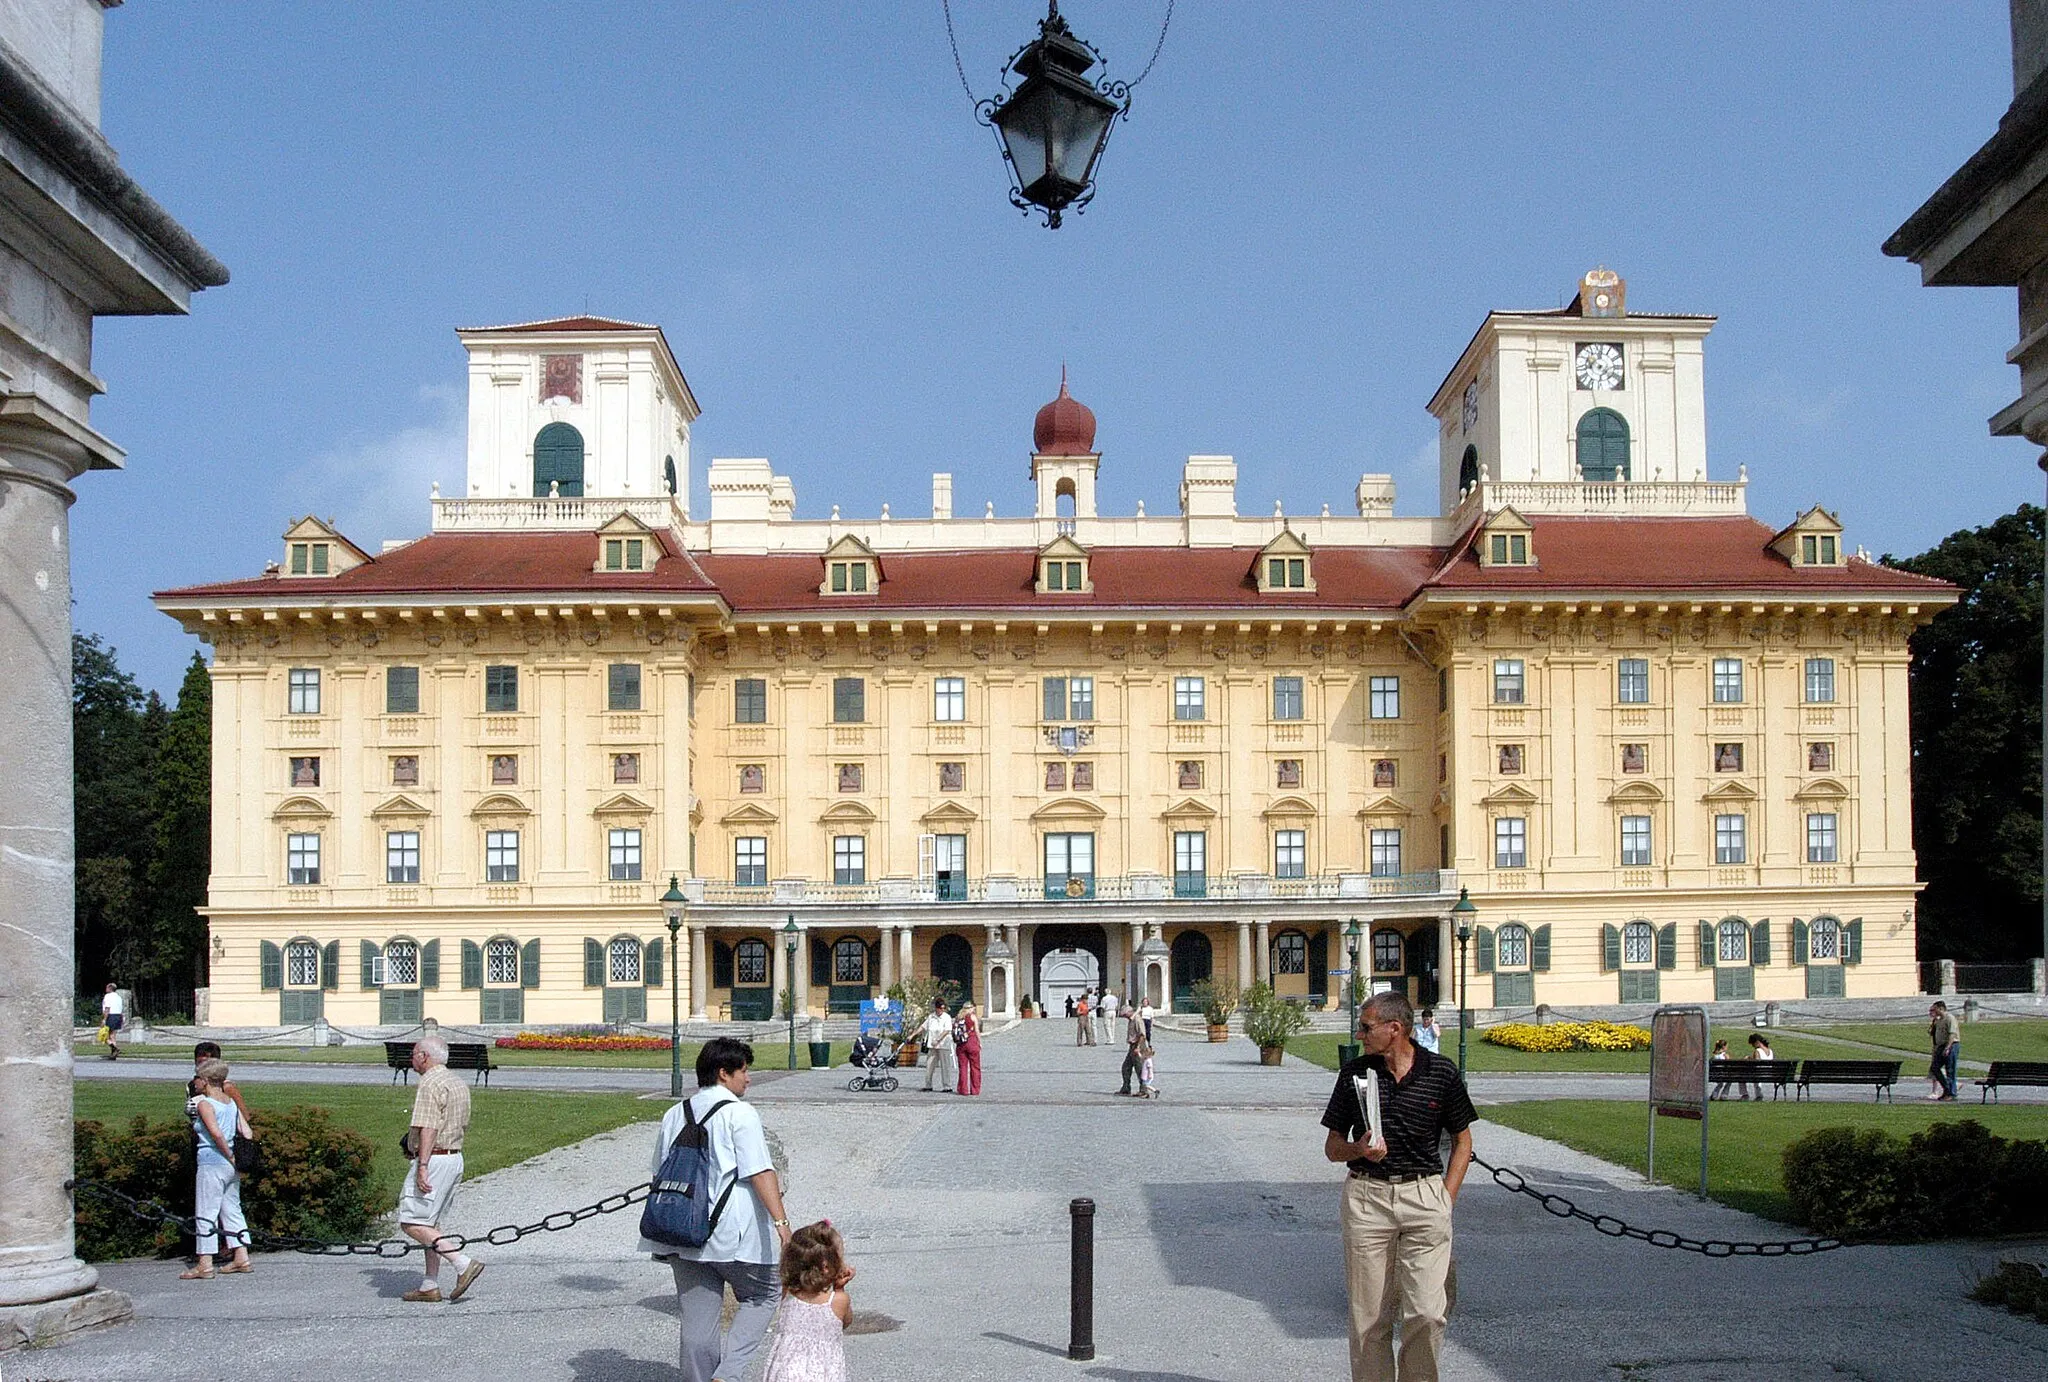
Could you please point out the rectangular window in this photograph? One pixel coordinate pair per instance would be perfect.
(1287, 698)
(1055, 698)
(1632, 681)
(750, 861)
(849, 700)
(501, 856)
(614, 554)
(949, 699)
(750, 701)
(401, 691)
(1080, 698)
(299, 557)
(1635, 841)
(1070, 865)
(319, 558)
(1507, 681)
(1727, 680)
(1827, 551)
(1290, 854)
(1820, 838)
(1511, 842)
(302, 860)
(849, 859)
(1443, 689)
(624, 848)
(1187, 698)
(1386, 853)
(401, 856)
(1385, 698)
(1190, 863)
(1731, 839)
(501, 690)
(304, 683)
(622, 686)
(1820, 680)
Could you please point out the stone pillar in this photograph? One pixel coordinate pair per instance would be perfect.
(888, 948)
(906, 961)
(1264, 959)
(1948, 978)
(2041, 976)
(1134, 973)
(779, 972)
(801, 979)
(700, 973)
(36, 858)
(1244, 953)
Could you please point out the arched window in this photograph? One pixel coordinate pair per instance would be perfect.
(1513, 943)
(623, 964)
(1468, 469)
(953, 960)
(1603, 445)
(1290, 953)
(1194, 960)
(849, 960)
(402, 964)
(668, 473)
(501, 961)
(1824, 940)
(1386, 952)
(1063, 499)
(302, 965)
(1639, 943)
(1732, 941)
(558, 460)
(750, 962)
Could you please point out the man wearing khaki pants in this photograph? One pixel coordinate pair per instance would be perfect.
(1397, 1203)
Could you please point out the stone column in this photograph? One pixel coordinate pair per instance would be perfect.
(36, 859)
(700, 973)
(800, 980)
(779, 972)
(1244, 953)
(905, 954)
(1264, 959)
(1134, 965)
(888, 948)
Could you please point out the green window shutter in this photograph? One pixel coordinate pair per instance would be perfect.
(1706, 945)
(821, 963)
(650, 970)
(430, 965)
(330, 966)
(1852, 942)
(1760, 942)
(1667, 945)
(721, 965)
(1610, 948)
(1482, 962)
(1539, 950)
(558, 460)
(472, 965)
(529, 965)
(270, 962)
(369, 959)
(593, 963)
(1799, 942)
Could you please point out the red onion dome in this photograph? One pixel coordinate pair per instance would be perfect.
(1064, 427)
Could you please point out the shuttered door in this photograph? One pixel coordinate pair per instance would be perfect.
(558, 460)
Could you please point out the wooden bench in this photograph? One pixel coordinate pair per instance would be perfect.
(2012, 1072)
(1775, 1073)
(1881, 1075)
(462, 1055)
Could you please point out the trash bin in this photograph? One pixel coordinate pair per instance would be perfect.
(1347, 1051)
(821, 1055)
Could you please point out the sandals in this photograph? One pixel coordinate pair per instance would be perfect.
(232, 1270)
(198, 1274)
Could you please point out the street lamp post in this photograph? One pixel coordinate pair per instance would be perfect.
(1464, 911)
(673, 903)
(789, 936)
(1351, 939)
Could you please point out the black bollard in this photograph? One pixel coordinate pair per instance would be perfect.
(1081, 1335)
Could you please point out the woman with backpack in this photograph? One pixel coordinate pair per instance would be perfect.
(967, 1037)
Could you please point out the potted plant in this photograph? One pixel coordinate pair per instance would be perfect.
(1269, 1020)
(917, 997)
(1219, 999)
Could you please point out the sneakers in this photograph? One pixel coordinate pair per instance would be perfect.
(465, 1280)
(430, 1294)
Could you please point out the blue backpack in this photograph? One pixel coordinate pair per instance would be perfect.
(679, 1210)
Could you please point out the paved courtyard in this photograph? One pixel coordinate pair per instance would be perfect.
(1217, 1257)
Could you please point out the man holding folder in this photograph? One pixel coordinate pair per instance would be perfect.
(1386, 1120)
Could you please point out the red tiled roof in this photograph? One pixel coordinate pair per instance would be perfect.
(570, 324)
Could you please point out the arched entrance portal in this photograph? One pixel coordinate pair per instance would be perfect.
(1193, 960)
(1065, 959)
(953, 958)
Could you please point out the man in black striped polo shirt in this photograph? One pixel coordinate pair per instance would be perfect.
(1397, 1204)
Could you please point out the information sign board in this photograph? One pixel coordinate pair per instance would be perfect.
(1678, 1076)
(880, 1015)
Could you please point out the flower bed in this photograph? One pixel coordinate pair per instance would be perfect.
(581, 1041)
(1569, 1036)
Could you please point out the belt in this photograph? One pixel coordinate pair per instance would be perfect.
(1402, 1178)
(448, 1151)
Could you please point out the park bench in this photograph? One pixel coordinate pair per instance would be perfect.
(1881, 1075)
(462, 1055)
(1775, 1073)
(2012, 1072)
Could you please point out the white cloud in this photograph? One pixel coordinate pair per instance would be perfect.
(377, 487)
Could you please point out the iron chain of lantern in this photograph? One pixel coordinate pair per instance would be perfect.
(1053, 126)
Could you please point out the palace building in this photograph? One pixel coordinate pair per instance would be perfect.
(1663, 743)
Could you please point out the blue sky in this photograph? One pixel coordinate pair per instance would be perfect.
(1301, 224)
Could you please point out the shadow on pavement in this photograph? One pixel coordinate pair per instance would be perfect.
(1127, 1375)
(1274, 1244)
(610, 1365)
(391, 1282)
(1032, 1344)
(596, 1285)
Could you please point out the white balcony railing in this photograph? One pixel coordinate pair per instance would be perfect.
(517, 513)
(1640, 498)
(1073, 888)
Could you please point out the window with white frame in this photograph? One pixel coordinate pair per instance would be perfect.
(1820, 680)
(1508, 685)
(849, 859)
(1632, 681)
(1290, 854)
(1191, 853)
(624, 850)
(1512, 947)
(303, 690)
(501, 856)
(302, 965)
(1731, 838)
(1639, 943)
(501, 962)
(622, 686)
(1635, 841)
(1727, 680)
(1511, 842)
(1187, 698)
(1386, 853)
(1383, 698)
(622, 961)
(1068, 698)
(302, 859)
(1821, 838)
(949, 699)
(1824, 940)
(1069, 855)
(1290, 953)
(1731, 941)
(402, 965)
(750, 861)
(401, 856)
(1287, 701)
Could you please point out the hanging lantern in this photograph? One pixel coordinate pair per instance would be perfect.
(1054, 125)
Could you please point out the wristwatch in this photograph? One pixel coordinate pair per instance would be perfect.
(779, 1223)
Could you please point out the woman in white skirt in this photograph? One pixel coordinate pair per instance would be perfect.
(217, 1188)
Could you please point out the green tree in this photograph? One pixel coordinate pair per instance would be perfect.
(1976, 728)
(181, 851)
(115, 729)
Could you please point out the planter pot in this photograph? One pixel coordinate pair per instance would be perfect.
(907, 1054)
(1271, 1055)
(1219, 1031)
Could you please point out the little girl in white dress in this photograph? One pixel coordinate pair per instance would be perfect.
(815, 1308)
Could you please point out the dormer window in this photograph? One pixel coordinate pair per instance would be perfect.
(1287, 573)
(851, 568)
(1507, 540)
(626, 544)
(313, 549)
(624, 553)
(1063, 568)
(310, 558)
(1285, 566)
(849, 577)
(1813, 539)
(1508, 549)
(1061, 575)
(1817, 549)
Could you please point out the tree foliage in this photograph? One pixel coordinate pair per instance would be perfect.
(1976, 729)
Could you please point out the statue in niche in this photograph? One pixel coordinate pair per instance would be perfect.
(1288, 773)
(1084, 777)
(405, 770)
(625, 767)
(850, 777)
(505, 768)
(1190, 775)
(952, 777)
(1634, 757)
(1510, 758)
(753, 777)
(305, 772)
(1383, 774)
(1820, 758)
(1056, 777)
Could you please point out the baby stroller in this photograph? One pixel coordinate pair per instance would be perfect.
(875, 1054)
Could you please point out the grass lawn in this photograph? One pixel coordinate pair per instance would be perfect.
(1487, 1059)
(2021, 1038)
(768, 1055)
(506, 1126)
(1746, 1141)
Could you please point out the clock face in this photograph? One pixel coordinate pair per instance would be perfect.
(1598, 366)
(1471, 405)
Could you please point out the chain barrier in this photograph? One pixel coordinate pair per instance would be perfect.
(154, 1211)
(1515, 1183)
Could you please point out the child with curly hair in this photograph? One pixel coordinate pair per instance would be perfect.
(815, 1308)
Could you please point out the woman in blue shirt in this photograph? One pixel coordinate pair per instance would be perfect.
(217, 1187)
